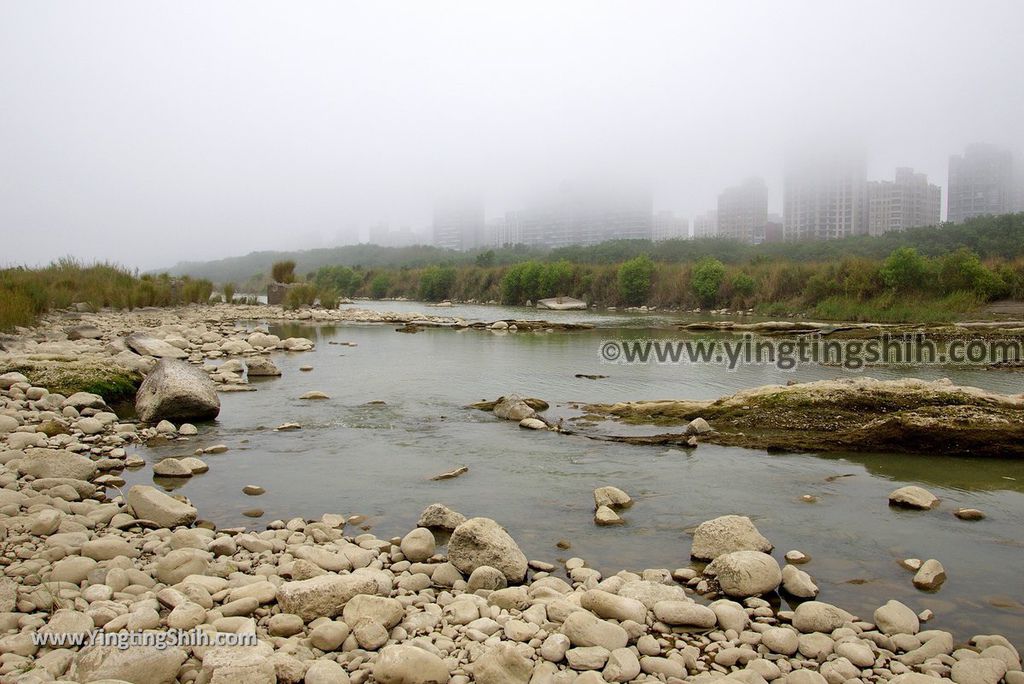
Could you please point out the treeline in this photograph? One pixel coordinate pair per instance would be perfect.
(904, 286)
(27, 293)
(990, 237)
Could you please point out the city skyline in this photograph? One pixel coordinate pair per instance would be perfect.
(222, 128)
(826, 195)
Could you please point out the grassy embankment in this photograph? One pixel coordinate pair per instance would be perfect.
(26, 293)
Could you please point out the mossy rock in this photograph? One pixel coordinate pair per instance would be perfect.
(112, 382)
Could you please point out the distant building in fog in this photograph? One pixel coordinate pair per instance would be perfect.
(382, 234)
(825, 197)
(743, 211)
(668, 226)
(908, 201)
(583, 215)
(981, 181)
(705, 225)
(773, 230)
(459, 224)
(504, 232)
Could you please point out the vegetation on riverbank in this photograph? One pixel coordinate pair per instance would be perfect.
(928, 275)
(990, 237)
(26, 293)
(907, 286)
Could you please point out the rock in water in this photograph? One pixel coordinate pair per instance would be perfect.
(613, 497)
(171, 467)
(606, 516)
(177, 391)
(746, 573)
(726, 534)
(481, 541)
(533, 424)
(931, 575)
(912, 496)
(798, 583)
(261, 366)
(513, 408)
(441, 517)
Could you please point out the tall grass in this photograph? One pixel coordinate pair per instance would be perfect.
(27, 293)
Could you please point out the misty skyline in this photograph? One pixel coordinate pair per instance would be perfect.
(149, 133)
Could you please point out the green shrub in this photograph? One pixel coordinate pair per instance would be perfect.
(436, 283)
(196, 291)
(379, 286)
(707, 277)
(635, 280)
(905, 270)
(16, 309)
(341, 279)
(283, 272)
(229, 292)
(303, 294)
(329, 298)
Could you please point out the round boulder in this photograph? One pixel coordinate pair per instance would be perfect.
(913, 496)
(176, 391)
(482, 541)
(726, 534)
(746, 573)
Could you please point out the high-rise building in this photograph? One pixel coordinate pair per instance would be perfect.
(743, 211)
(582, 216)
(668, 226)
(705, 225)
(908, 201)
(981, 181)
(825, 197)
(459, 224)
(382, 234)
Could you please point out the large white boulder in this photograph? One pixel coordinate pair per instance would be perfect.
(726, 534)
(481, 541)
(745, 573)
(150, 503)
(147, 345)
(176, 391)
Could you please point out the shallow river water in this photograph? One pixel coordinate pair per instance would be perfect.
(377, 460)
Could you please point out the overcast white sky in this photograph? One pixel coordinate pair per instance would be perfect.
(147, 132)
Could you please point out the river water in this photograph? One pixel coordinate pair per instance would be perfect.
(352, 456)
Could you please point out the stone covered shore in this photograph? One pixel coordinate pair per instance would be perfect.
(454, 600)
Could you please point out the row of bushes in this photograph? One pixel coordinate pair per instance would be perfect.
(27, 293)
(904, 281)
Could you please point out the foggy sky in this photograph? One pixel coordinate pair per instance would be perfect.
(147, 133)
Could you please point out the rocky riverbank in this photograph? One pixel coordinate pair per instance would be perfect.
(848, 414)
(109, 352)
(454, 600)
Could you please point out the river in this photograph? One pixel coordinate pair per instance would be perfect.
(352, 456)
